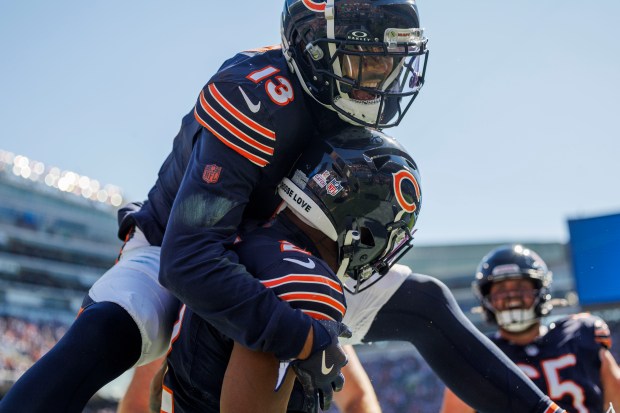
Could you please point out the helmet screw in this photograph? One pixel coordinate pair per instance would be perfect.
(364, 257)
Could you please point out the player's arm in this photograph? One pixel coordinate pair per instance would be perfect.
(599, 331)
(251, 376)
(250, 381)
(358, 395)
(452, 404)
(610, 379)
(140, 397)
(430, 318)
(197, 265)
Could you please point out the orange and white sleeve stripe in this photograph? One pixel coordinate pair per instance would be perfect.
(220, 110)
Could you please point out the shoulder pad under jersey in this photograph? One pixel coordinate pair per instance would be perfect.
(590, 327)
(248, 103)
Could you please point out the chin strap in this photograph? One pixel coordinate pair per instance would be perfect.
(347, 252)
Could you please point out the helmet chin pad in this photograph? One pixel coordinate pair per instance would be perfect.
(367, 111)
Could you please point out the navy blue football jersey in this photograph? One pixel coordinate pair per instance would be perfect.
(250, 123)
(565, 363)
(283, 260)
(257, 112)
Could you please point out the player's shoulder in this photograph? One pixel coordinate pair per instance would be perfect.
(251, 102)
(587, 328)
(294, 274)
(258, 81)
(263, 251)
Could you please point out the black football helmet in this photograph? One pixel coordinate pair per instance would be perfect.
(361, 189)
(365, 59)
(513, 261)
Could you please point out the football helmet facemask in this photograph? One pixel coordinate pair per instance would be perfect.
(513, 262)
(364, 59)
(361, 189)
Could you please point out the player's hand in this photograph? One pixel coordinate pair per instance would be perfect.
(320, 374)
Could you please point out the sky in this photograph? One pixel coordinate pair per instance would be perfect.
(514, 132)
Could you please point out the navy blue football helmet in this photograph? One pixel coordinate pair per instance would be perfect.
(513, 262)
(365, 59)
(361, 189)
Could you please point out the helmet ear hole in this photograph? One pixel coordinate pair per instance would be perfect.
(366, 237)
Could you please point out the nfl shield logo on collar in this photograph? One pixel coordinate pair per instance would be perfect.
(211, 174)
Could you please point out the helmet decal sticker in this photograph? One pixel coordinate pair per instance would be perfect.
(321, 179)
(506, 269)
(295, 197)
(334, 187)
(300, 179)
(314, 5)
(359, 36)
(399, 178)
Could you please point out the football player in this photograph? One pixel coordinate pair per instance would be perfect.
(569, 358)
(351, 202)
(340, 63)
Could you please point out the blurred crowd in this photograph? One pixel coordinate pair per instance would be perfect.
(404, 384)
(22, 342)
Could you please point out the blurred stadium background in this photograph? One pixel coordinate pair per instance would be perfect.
(58, 235)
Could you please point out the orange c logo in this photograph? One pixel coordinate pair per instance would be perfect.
(314, 6)
(399, 177)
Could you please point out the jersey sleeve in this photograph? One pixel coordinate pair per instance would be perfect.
(232, 114)
(301, 280)
(594, 329)
(199, 268)
(602, 334)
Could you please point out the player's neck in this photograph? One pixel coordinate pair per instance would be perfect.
(324, 245)
(522, 338)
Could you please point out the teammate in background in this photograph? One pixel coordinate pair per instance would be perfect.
(341, 62)
(569, 359)
(351, 202)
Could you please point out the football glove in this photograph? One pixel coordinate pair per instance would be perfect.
(320, 374)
